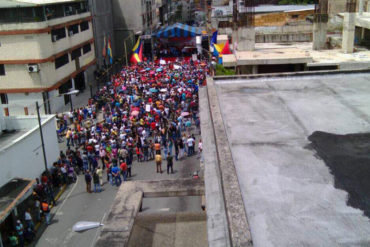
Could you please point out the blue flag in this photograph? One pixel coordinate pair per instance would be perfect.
(214, 37)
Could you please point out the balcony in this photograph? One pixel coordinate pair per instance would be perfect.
(41, 13)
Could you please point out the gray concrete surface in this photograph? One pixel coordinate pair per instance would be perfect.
(217, 225)
(121, 217)
(288, 192)
(175, 229)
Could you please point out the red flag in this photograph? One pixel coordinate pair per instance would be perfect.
(226, 49)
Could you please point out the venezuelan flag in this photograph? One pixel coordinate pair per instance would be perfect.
(110, 53)
(218, 49)
(137, 56)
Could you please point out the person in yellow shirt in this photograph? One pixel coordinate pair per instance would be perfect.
(158, 161)
(69, 137)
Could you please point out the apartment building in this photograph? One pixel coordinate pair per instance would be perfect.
(46, 51)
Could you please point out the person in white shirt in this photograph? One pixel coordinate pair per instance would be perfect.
(200, 150)
(190, 141)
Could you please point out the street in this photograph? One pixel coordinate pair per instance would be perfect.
(77, 205)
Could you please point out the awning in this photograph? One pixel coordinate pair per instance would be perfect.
(178, 30)
(13, 193)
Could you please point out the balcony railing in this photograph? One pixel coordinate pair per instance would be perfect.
(41, 13)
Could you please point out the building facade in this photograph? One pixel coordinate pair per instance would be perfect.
(132, 19)
(46, 50)
(102, 19)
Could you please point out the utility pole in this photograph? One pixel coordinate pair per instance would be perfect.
(124, 43)
(41, 135)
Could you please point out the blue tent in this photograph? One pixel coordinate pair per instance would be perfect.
(178, 30)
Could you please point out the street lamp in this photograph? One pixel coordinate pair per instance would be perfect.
(73, 92)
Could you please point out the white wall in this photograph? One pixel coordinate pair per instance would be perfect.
(17, 102)
(23, 157)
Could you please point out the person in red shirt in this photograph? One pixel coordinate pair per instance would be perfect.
(89, 148)
(123, 167)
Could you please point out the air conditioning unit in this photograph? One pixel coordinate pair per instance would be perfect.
(55, 38)
(71, 33)
(33, 68)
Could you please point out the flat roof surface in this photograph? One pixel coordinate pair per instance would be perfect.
(300, 49)
(11, 194)
(9, 137)
(289, 55)
(289, 193)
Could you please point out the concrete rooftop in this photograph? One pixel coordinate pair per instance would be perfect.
(275, 53)
(288, 192)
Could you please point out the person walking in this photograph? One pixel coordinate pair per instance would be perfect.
(158, 161)
(88, 181)
(123, 167)
(151, 150)
(116, 176)
(169, 164)
(157, 147)
(28, 219)
(46, 211)
(99, 171)
(20, 231)
(190, 141)
(96, 182)
(200, 150)
(129, 167)
(13, 239)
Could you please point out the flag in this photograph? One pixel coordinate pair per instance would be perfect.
(137, 56)
(105, 47)
(214, 37)
(226, 49)
(110, 53)
(218, 49)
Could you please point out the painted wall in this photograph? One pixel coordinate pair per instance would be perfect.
(30, 163)
(17, 75)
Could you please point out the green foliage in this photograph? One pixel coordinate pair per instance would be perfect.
(221, 70)
(286, 2)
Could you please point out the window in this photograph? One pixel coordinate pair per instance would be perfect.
(61, 61)
(84, 26)
(2, 69)
(73, 29)
(295, 16)
(4, 98)
(86, 48)
(65, 89)
(76, 53)
(58, 34)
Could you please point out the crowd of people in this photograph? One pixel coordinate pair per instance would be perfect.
(148, 111)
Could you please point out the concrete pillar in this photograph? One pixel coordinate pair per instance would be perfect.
(319, 35)
(368, 7)
(348, 38)
(235, 39)
(246, 38)
(361, 7)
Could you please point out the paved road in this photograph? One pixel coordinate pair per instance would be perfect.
(77, 205)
